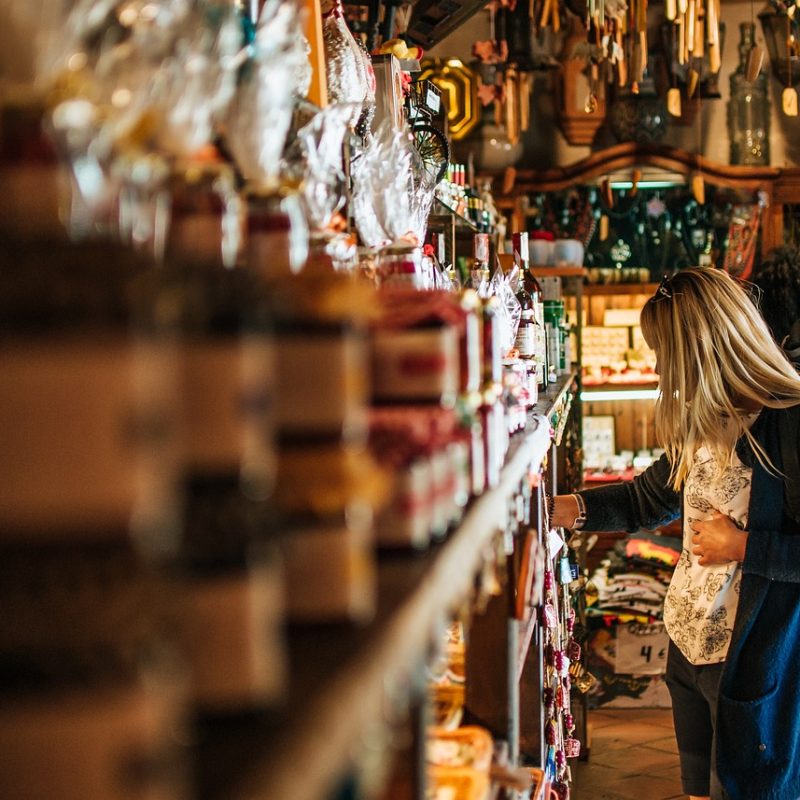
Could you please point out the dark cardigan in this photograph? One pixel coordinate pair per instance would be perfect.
(758, 716)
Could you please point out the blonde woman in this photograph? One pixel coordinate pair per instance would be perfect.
(728, 396)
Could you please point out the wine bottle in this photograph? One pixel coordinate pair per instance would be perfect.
(534, 289)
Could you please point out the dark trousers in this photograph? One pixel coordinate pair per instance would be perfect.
(694, 691)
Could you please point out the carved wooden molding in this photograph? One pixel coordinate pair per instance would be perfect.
(629, 155)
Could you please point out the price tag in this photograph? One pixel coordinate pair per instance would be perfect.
(641, 649)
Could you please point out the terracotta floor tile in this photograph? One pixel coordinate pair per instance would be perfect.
(633, 756)
(673, 770)
(637, 761)
(647, 787)
(631, 731)
(668, 743)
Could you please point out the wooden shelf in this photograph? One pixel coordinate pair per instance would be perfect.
(591, 289)
(618, 387)
(568, 271)
(344, 678)
(443, 213)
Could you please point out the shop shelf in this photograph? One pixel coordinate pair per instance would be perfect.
(344, 677)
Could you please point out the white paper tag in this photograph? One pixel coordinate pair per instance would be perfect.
(555, 542)
(641, 649)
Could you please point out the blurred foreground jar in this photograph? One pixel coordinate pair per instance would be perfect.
(226, 561)
(276, 234)
(88, 406)
(91, 692)
(206, 215)
(328, 487)
(33, 184)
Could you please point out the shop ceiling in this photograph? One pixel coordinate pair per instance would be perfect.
(433, 20)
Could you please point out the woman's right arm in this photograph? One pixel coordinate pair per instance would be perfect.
(647, 501)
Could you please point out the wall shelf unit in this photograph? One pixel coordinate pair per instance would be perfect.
(345, 677)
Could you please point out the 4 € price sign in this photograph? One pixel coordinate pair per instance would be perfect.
(641, 649)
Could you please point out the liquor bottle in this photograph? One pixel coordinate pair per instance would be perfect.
(479, 271)
(527, 335)
(534, 289)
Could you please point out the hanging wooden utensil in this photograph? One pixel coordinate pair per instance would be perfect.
(674, 101)
(645, 52)
(691, 19)
(755, 60)
(525, 91)
(682, 58)
(511, 108)
(671, 9)
(699, 49)
(692, 80)
(603, 228)
(673, 93)
(622, 61)
(789, 101)
(699, 188)
(789, 96)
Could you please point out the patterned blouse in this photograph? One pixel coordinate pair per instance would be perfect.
(701, 601)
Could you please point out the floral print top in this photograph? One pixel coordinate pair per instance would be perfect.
(701, 601)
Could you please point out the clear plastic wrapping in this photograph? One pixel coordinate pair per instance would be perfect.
(344, 59)
(392, 194)
(157, 70)
(509, 309)
(314, 161)
(276, 72)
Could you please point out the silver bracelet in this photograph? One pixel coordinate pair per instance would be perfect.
(580, 520)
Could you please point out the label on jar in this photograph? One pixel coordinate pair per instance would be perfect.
(331, 571)
(122, 743)
(234, 636)
(416, 364)
(88, 436)
(322, 380)
(471, 354)
(227, 403)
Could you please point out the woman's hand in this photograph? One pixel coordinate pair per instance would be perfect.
(717, 540)
(565, 511)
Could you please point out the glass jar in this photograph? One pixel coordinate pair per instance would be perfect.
(748, 108)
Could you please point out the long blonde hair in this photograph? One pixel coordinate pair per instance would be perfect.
(715, 356)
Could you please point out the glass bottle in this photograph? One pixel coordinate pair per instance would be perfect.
(534, 289)
(527, 333)
(480, 264)
(748, 108)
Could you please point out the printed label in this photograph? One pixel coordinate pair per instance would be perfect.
(227, 404)
(235, 642)
(87, 433)
(322, 380)
(415, 364)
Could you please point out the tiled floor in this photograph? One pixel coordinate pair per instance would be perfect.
(632, 756)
